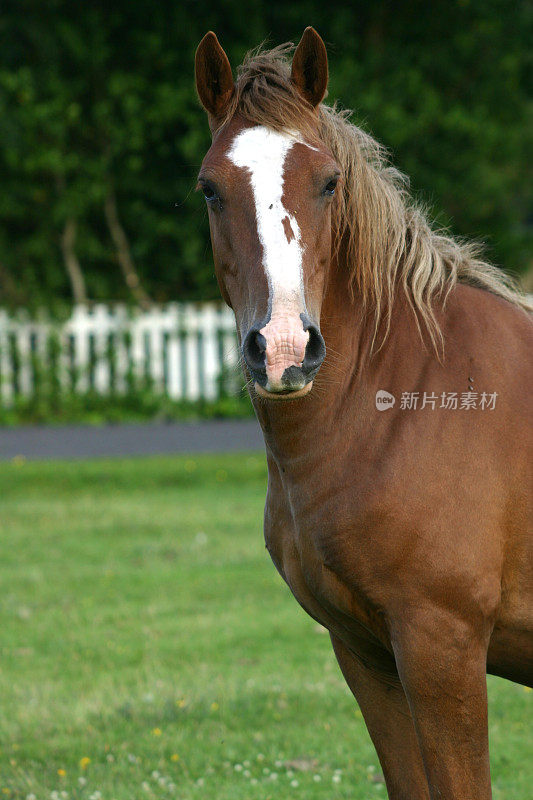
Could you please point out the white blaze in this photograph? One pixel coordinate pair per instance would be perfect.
(263, 153)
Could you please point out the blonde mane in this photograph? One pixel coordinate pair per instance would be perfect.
(385, 236)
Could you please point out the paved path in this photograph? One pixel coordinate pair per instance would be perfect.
(86, 441)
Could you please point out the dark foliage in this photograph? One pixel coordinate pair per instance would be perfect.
(97, 101)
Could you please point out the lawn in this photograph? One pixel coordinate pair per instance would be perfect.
(150, 650)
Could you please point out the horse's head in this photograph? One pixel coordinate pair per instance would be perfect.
(269, 195)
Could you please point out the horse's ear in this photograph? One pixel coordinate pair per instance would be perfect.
(310, 67)
(214, 81)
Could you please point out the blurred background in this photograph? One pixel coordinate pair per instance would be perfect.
(149, 648)
(102, 137)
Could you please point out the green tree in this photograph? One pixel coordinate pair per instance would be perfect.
(101, 134)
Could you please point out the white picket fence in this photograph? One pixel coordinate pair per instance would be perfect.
(182, 350)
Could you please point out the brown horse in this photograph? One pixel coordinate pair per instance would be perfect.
(398, 504)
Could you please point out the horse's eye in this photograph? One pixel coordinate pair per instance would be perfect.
(209, 192)
(329, 188)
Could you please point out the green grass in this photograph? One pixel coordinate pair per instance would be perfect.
(143, 627)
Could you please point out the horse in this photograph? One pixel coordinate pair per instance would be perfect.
(389, 368)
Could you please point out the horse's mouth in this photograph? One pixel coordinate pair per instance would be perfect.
(283, 394)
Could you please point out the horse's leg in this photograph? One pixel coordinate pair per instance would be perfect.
(442, 665)
(389, 723)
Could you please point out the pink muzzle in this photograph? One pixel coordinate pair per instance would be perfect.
(286, 341)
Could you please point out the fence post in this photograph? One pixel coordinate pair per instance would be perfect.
(212, 365)
(6, 385)
(192, 352)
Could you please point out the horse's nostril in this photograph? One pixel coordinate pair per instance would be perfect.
(253, 349)
(315, 352)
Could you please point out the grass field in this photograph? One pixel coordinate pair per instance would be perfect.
(150, 650)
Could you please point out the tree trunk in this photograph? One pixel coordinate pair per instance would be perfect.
(125, 261)
(9, 291)
(72, 264)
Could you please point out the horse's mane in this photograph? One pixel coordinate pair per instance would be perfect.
(386, 237)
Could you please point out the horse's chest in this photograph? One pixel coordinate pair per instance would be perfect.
(315, 581)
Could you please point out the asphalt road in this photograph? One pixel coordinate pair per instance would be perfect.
(86, 441)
